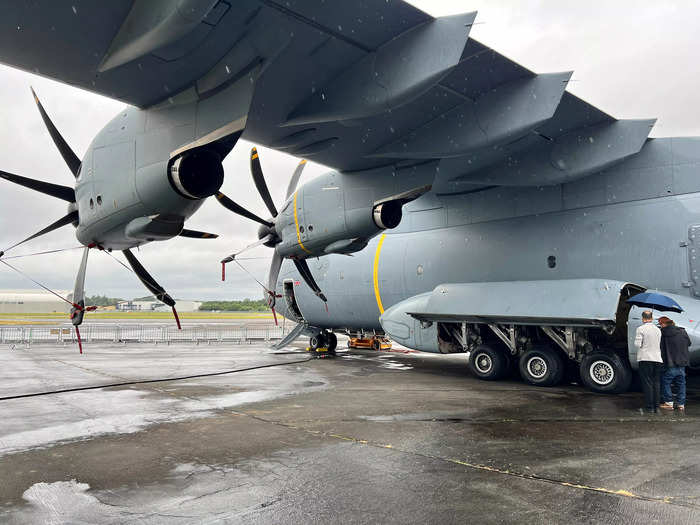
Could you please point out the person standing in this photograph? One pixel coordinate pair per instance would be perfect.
(647, 339)
(674, 351)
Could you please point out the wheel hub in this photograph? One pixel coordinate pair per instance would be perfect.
(602, 373)
(537, 367)
(484, 363)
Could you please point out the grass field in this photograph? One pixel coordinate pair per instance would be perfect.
(7, 318)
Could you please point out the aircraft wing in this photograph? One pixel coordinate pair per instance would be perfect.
(352, 85)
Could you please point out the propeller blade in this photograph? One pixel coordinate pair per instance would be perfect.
(240, 210)
(76, 314)
(67, 219)
(259, 179)
(305, 272)
(295, 178)
(64, 149)
(194, 234)
(274, 272)
(253, 245)
(60, 192)
(147, 280)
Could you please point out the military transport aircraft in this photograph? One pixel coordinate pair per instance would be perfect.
(476, 205)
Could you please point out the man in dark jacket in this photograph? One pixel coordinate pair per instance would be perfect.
(674, 352)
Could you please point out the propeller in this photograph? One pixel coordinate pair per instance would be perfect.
(63, 148)
(54, 190)
(194, 234)
(68, 194)
(267, 234)
(150, 283)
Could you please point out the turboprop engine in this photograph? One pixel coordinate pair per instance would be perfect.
(326, 215)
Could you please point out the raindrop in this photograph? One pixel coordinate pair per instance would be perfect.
(228, 70)
(75, 10)
(19, 28)
(323, 96)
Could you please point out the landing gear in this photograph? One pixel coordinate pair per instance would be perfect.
(542, 366)
(605, 373)
(323, 343)
(488, 363)
(332, 341)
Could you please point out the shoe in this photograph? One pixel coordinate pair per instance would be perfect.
(667, 406)
(681, 408)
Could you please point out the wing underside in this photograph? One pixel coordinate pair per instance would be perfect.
(352, 85)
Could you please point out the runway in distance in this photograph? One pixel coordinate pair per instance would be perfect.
(475, 205)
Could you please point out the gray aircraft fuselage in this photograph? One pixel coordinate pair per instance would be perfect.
(633, 222)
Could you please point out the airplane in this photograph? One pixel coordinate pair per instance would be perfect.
(474, 205)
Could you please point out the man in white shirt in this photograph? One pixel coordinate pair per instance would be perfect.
(647, 339)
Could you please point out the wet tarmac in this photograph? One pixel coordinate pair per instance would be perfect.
(362, 438)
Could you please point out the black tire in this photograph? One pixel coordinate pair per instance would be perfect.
(605, 373)
(542, 366)
(316, 341)
(331, 341)
(488, 363)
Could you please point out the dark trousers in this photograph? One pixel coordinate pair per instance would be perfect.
(650, 376)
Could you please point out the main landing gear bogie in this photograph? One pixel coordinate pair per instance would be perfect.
(601, 371)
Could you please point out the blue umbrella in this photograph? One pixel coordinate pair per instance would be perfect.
(655, 301)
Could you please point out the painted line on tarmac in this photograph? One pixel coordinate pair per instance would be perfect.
(669, 500)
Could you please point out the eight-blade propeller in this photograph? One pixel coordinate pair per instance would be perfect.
(68, 194)
(267, 234)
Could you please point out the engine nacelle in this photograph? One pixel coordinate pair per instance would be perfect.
(330, 215)
(196, 174)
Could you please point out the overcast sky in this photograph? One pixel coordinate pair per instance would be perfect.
(633, 59)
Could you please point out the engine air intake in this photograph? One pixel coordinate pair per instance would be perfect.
(387, 215)
(197, 174)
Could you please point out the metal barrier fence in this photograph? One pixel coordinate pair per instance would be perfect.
(143, 333)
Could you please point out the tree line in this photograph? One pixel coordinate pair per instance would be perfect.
(246, 305)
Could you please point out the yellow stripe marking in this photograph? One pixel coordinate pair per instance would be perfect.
(375, 273)
(303, 161)
(296, 223)
(254, 156)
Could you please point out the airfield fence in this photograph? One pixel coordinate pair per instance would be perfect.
(143, 333)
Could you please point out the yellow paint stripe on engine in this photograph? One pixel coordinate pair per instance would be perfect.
(296, 223)
(375, 273)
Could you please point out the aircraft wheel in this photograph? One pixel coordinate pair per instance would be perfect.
(542, 366)
(316, 341)
(331, 341)
(488, 363)
(605, 373)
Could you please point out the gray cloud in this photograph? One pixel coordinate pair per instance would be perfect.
(633, 59)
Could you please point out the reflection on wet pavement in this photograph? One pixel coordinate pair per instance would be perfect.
(367, 437)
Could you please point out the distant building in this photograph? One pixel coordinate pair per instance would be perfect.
(157, 306)
(33, 302)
